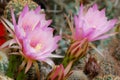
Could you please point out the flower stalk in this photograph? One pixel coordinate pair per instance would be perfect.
(76, 51)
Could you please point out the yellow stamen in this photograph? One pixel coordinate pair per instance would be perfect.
(38, 47)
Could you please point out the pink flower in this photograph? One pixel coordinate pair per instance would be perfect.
(27, 21)
(34, 37)
(92, 24)
(39, 45)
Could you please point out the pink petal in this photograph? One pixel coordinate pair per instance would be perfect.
(95, 7)
(110, 24)
(57, 38)
(30, 20)
(81, 10)
(103, 12)
(20, 33)
(45, 23)
(89, 32)
(79, 34)
(48, 22)
(25, 10)
(42, 56)
(28, 50)
(76, 21)
(37, 10)
(104, 36)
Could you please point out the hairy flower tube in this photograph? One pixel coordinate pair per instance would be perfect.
(75, 51)
(59, 73)
(92, 24)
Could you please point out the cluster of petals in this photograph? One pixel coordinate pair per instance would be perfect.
(34, 37)
(92, 24)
